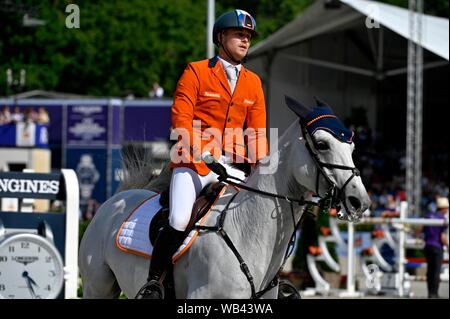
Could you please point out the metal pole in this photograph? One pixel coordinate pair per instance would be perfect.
(209, 28)
(410, 134)
(418, 113)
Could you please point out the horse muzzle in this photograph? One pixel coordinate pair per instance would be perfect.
(356, 202)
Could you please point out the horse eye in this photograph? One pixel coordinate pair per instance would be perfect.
(322, 146)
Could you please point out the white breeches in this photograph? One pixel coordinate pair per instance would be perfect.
(185, 186)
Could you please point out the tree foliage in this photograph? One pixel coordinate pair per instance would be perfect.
(124, 46)
(120, 46)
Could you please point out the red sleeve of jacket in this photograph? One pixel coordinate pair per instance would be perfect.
(256, 125)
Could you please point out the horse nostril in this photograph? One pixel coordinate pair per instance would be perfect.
(355, 202)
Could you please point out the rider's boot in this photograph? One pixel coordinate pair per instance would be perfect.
(167, 242)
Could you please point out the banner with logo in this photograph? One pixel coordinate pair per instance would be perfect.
(30, 185)
(87, 124)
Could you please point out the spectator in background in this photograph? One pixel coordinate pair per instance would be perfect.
(129, 95)
(5, 115)
(17, 116)
(42, 117)
(435, 239)
(157, 91)
(30, 115)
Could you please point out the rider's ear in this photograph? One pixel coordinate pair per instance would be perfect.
(297, 107)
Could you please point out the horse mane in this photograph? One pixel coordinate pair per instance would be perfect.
(138, 167)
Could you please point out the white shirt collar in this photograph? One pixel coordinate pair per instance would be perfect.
(226, 64)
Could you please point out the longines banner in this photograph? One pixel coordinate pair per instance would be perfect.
(30, 185)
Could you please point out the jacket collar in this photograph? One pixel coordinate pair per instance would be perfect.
(216, 68)
(226, 64)
(213, 61)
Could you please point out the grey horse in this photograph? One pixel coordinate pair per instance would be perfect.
(259, 225)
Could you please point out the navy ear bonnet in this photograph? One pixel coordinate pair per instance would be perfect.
(323, 118)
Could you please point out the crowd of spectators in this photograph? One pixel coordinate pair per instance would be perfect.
(29, 115)
(383, 170)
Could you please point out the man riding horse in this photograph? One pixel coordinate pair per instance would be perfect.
(213, 96)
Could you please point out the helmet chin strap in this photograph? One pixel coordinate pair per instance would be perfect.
(229, 55)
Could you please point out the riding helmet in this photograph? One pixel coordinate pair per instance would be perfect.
(234, 19)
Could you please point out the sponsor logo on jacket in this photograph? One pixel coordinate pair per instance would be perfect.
(212, 94)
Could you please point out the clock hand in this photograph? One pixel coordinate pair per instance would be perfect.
(30, 283)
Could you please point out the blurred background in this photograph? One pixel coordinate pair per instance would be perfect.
(84, 82)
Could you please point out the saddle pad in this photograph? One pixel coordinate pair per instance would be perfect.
(133, 236)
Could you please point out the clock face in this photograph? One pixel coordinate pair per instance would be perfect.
(30, 268)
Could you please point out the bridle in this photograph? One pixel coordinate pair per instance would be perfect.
(335, 194)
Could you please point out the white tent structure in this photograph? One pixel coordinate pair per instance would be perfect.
(352, 54)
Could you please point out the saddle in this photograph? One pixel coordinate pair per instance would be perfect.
(201, 206)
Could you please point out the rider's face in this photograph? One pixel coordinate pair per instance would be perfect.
(236, 42)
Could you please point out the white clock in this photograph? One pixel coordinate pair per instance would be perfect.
(31, 267)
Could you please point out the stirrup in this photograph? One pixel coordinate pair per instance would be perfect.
(151, 290)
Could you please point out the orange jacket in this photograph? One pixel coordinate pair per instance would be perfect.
(216, 120)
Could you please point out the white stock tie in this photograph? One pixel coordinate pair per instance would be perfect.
(232, 72)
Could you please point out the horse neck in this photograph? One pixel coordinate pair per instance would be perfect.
(281, 174)
(265, 224)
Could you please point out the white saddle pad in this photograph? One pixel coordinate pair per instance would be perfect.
(133, 236)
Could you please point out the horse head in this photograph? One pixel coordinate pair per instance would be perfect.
(330, 145)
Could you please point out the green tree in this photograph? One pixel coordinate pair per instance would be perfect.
(120, 46)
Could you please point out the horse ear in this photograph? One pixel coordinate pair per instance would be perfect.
(320, 102)
(297, 107)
